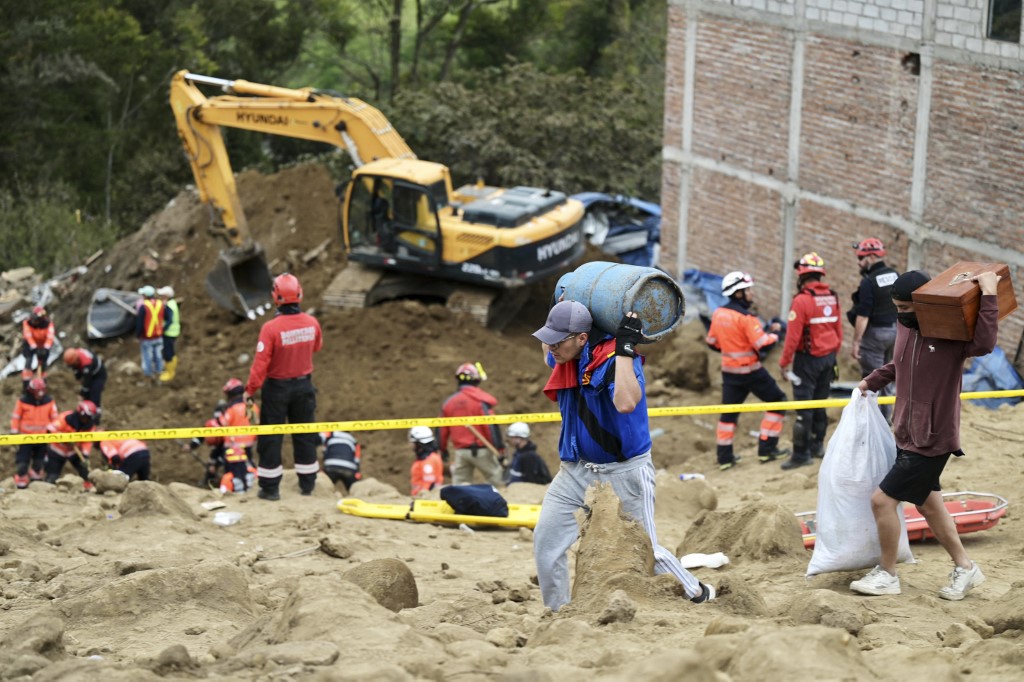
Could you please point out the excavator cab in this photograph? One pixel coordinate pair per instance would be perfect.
(393, 222)
(240, 281)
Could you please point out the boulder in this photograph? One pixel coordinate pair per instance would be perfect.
(389, 581)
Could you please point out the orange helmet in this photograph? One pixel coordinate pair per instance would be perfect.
(287, 289)
(810, 263)
(870, 247)
(233, 386)
(37, 387)
(71, 358)
(470, 373)
(87, 408)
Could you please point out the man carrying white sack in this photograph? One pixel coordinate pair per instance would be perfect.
(928, 374)
(599, 385)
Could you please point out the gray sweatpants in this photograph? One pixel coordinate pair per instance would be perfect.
(633, 482)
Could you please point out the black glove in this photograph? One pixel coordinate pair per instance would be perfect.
(84, 391)
(628, 335)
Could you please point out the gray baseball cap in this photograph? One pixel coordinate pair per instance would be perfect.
(564, 320)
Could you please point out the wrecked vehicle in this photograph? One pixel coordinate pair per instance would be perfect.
(625, 227)
(111, 313)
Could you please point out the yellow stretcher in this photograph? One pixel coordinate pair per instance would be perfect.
(437, 511)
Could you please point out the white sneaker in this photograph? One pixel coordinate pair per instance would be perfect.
(961, 581)
(879, 581)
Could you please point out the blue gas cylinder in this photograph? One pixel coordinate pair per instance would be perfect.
(610, 290)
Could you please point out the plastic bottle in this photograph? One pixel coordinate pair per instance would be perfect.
(691, 477)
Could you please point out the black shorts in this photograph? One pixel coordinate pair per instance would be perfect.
(913, 477)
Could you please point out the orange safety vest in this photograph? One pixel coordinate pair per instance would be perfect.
(37, 337)
(739, 336)
(426, 473)
(29, 418)
(60, 425)
(235, 415)
(153, 320)
(121, 448)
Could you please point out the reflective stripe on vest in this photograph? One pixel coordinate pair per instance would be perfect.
(154, 326)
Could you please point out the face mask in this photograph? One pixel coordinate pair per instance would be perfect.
(908, 320)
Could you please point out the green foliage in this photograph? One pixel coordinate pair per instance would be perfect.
(39, 227)
(564, 131)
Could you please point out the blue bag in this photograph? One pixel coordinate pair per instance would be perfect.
(475, 500)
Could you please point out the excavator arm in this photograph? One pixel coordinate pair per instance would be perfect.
(241, 280)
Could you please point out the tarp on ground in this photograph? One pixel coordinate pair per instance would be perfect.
(992, 372)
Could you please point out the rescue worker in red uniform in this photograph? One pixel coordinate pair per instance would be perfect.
(427, 472)
(79, 420)
(283, 368)
(33, 413)
(131, 457)
(38, 337)
(813, 338)
(90, 370)
(342, 457)
(736, 333)
(215, 464)
(471, 452)
(237, 449)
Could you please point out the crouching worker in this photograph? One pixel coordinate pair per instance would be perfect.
(33, 413)
(342, 455)
(215, 463)
(239, 474)
(427, 471)
(130, 457)
(599, 386)
(79, 420)
(527, 466)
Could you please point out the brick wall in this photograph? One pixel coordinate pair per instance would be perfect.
(857, 138)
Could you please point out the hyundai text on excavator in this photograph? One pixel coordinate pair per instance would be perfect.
(398, 213)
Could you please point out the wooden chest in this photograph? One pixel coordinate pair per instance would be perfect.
(947, 306)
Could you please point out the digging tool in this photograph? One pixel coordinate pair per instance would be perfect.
(488, 444)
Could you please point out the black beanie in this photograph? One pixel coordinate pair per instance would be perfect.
(908, 283)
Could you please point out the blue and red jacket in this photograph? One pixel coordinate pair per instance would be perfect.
(592, 429)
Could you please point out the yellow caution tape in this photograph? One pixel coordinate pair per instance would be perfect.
(434, 422)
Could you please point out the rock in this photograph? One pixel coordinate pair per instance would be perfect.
(148, 497)
(41, 634)
(1006, 612)
(5, 547)
(24, 665)
(957, 635)
(114, 481)
(825, 607)
(173, 658)
(980, 626)
(335, 547)
(505, 638)
(620, 609)
(15, 275)
(449, 632)
(70, 482)
(389, 581)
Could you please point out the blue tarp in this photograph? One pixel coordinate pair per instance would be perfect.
(992, 372)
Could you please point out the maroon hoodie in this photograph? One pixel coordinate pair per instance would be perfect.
(929, 375)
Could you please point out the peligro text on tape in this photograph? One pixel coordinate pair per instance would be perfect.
(433, 422)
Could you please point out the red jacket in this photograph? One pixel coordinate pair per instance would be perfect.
(32, 416)
(469, 401)
(426, 474)
(285, 349)
(815, 323)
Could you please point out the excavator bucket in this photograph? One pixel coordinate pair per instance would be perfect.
(241, 282)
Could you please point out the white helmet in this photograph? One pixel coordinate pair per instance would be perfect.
(736, 281)
(518, 430)
(421, 434)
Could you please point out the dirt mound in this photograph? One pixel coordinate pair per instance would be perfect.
(146, 497)
(758, 532)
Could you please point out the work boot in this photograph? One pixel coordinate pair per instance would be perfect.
(817, 449)
(729, 465)
(170, 367)
(797, 461)
(20, 481)
(269, 494)
(772, 455)
(87, 486)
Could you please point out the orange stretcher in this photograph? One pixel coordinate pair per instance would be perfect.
(971, 513)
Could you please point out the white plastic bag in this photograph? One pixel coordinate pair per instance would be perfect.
(859, 455)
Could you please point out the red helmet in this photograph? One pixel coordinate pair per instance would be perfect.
(37, 387)
(287, 289)
(38, 317)
(233, 386)
(810, 263)
(469, 372)
(870, 247)
(87, 408)
(71, 357)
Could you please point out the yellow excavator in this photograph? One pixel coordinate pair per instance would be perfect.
(398, 213)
